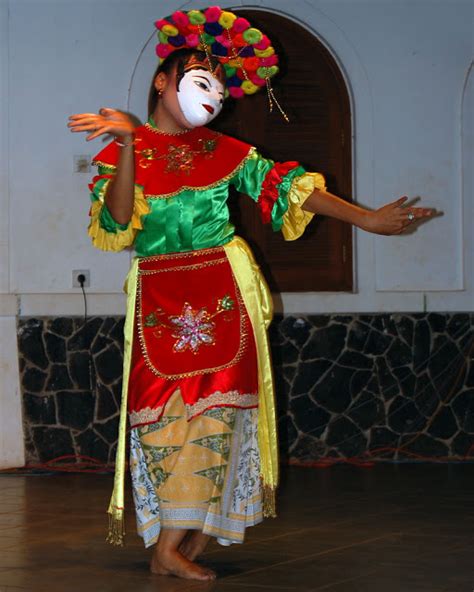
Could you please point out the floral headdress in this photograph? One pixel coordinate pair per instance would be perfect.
(248, 58)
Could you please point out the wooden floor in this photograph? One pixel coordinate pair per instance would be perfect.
(391, 528)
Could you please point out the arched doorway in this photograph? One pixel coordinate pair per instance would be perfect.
(312, 91)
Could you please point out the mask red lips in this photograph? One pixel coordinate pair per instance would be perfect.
(209, 108)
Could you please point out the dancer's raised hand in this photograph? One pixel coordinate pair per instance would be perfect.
(107, 121)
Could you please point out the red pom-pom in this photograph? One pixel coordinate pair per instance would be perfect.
(270, 61)
(263, 44)
(256, 79)
(240, 25)
(180, 19)
(239, 41)
(163, 50)
(251, 64)
(212, 14)
(161, 23)
(236, 92)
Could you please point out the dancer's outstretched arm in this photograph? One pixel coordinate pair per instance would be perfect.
(392, 218)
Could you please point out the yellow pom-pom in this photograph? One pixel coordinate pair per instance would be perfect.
(227, 19)
(249, 88)
(264, 53)
(170, 30)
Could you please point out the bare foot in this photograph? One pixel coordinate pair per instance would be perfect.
(194, 544)
(172, 563)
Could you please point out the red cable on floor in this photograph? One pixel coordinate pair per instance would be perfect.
(91, 465)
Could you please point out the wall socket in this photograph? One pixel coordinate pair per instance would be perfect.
(76, 273)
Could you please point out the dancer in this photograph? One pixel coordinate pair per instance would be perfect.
(197, 380)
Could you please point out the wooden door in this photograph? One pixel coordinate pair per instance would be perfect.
(312, 91)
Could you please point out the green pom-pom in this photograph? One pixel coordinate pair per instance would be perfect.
(162, 37)
(208, 39)
(252, 36)
(267, 72)
(229, 70)
(196, 17)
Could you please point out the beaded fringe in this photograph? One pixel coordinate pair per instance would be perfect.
(116, 532)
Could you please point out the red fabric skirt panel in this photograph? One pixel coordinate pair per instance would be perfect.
(192, 331)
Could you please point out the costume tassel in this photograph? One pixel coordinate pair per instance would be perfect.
(116, 532)
(269, 503)
(272, 99)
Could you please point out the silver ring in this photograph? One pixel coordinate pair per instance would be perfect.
(411, 216)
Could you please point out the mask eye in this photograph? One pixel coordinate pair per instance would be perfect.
(201, 85)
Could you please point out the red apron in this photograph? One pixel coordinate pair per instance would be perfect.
(192, 331)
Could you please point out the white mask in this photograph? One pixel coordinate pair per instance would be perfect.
(200, 97)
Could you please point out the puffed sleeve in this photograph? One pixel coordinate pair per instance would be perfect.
(280, 190)
(105, 232)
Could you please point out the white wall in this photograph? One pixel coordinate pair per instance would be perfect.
(406, 66)
(11, 434)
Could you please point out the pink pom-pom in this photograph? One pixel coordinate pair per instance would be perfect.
(163, 50)
(270, 61)
(240, 25)
(192, 40)
(161, 23)
(213, 14)
(225, 41)
(180, 19)
(257, 80)
(263, 44)
(236, 92)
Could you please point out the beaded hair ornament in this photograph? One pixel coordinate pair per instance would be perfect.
(246, 54)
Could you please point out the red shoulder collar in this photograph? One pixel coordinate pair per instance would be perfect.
(166, 164)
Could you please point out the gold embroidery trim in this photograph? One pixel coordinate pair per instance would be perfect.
(103, 164)
(155, 130)
(183, 188)
(145, 415)
(231, 398)
(243, 333)
(184, 254)
(184, 267)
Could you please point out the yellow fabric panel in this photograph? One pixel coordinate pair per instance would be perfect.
(258, 301)
(183, 485)
(295, 218)
(117, 503)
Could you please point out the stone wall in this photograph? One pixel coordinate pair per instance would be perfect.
(394, 386)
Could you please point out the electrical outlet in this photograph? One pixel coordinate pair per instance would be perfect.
(75, 278)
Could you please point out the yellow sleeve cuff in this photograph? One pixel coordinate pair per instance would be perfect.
(119, 238)
(295, 218)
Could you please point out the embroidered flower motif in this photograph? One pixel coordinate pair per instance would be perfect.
(225, 303)
(179, 159)
(194, 328)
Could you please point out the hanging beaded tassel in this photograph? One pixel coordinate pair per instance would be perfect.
(272, 99)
